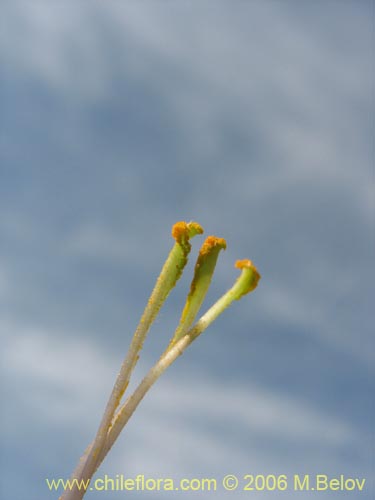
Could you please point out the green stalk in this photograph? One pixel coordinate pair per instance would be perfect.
(203, 272)
(244, 284)
(167, 279)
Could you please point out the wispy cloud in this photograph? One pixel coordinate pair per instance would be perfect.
(65, 382)
(119, 119)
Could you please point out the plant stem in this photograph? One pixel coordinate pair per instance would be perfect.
(203, 272)
(167, 279)
(246, 282)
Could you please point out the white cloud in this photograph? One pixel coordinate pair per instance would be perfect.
(105, 243)
(292, 92)
(64, 380)
(278, 81)
(283, 89)
(194, 426)
(56, 44)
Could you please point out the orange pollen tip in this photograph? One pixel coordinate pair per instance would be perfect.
(246, 264)
(240, 264)
(182, 231)
(212, 242)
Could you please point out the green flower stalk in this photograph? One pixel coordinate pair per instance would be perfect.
(116, 415)
(245, 283)
(170, 274)
(203, 272)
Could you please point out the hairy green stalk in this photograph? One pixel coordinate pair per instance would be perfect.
(203, 272)
(116, 415)
(245, 283)
(167, 279)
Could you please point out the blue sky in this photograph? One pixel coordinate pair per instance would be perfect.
(253, 118)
